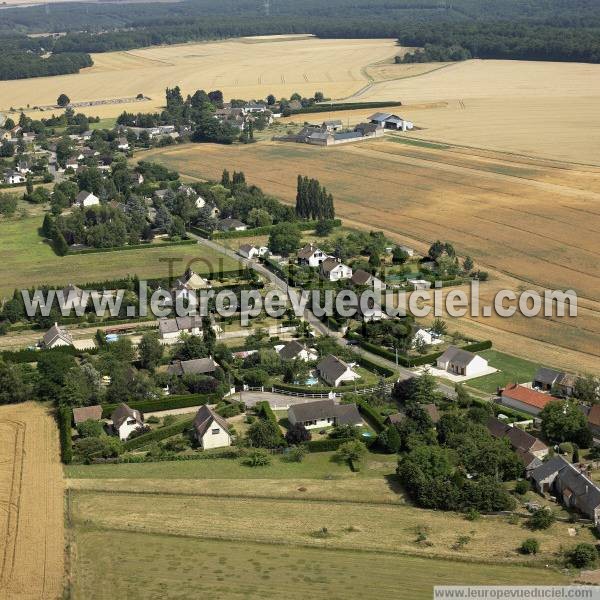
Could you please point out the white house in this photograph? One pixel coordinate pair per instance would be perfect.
(461, 362)
(172, 329)
(122, 144)
(251, 251)
(419, 284)
(324, 413)
(12, 178)
(210, 429)
(334, 270)
(232, 225)
(311, 256)
(86, 199)
(295, 350)
(190, 283)
(56, 336)
(427, 337)
(335, 371)
(125, 420)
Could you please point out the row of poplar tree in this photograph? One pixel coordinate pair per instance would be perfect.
(313, 201)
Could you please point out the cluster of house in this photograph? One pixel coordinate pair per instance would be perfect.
(240, 116)
(155, 133)
(210, 429)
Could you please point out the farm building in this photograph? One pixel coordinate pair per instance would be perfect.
(390, 121)
(335, 371)
(524, 399)
(210, 429)
(461, 362)
(549, 379)
(324, 413)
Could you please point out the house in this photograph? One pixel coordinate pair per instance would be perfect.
(197, 366)
(231, 225)
(427, 337)
(87, 413)
(570, 485)
(461, 362)
(410, 251)
(593, 419)
(369, 130)
(332, 125)
(334, 270)
(210, 429)
(295, 350)
(125, 420)
(72, 163)
(566, 384)
(172, 329)
(56, 336)
(190, 283)
(335, 371)
(122, 144)
(524, 399)
(74, 296)
(364, 278)
(390, 121)
(324, 413)
(530, 449)
(24, 166)
(251, 251)
(136, 178)
(85, 198)
(311, 256)
(13, 178)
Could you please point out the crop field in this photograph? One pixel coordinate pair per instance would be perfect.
(31, 502)
(531, 223)
(241, 68)
(25, 260)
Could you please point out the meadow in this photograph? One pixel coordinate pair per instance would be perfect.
(26, 260)
(31, 497)
(492, 206)
(181, 566)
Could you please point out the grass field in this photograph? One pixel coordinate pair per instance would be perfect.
(491, 206)
(25, 260)
(231, 570)
(31, 505)
(511, 370)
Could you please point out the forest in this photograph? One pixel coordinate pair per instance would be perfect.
(509, 29)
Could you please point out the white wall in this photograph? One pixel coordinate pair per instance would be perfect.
(215, 440)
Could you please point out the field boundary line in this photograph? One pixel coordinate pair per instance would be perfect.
(12, 519)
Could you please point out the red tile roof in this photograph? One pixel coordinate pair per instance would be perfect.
(527, 395)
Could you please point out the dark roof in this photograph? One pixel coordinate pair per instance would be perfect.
(205, 417)
(361, 277)
(457, 356)
(344, 414)
(307, 251)
(122, 413)
(530, 461)
(433, 412)
(179, 324)
(230, 223)
(313, 411)
(56, 332)
(291, 350)
(555, 464)
(87, 413)
(396, 418)
(347, 135)
(83, 194)
(547, 376)
(331, 368)
(198, 366)
(519, 439)
(329, 264)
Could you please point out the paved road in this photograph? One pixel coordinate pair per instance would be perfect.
(315, 323)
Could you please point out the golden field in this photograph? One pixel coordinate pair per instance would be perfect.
(531, 223)
(31, 499)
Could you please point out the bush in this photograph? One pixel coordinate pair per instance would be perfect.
(177, 444)
(582, 556)
(522, 487)
(372, 415)
(472, 515)
(167, 403)
(65, 415)
(91, 428)
(257, 458)
(297, 434)
(530, 546)
(168, 420)
(326, 445)
(541, 519)
(352, 451)
(565, 448)
(157, 435)
(296, 454)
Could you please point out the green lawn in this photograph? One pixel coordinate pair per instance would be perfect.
(170, 567)
(511, 370)
(314, 466)
(26, 260)
(106, 123)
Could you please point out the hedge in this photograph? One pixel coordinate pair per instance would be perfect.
(374, 367)
(326, 445)
(302, 225)
(168, 403)
(367, 411)
(265, 411)
(130, 247)
(158, 434)
(31, 356)
(203, 233)
(65, 416)
(318, 108)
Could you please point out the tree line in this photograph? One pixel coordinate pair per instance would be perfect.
(313, 201)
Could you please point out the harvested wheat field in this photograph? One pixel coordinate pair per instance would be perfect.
(241, 68)
(31, 502)
(532, 223)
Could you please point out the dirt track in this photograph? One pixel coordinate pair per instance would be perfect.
(31, 505)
